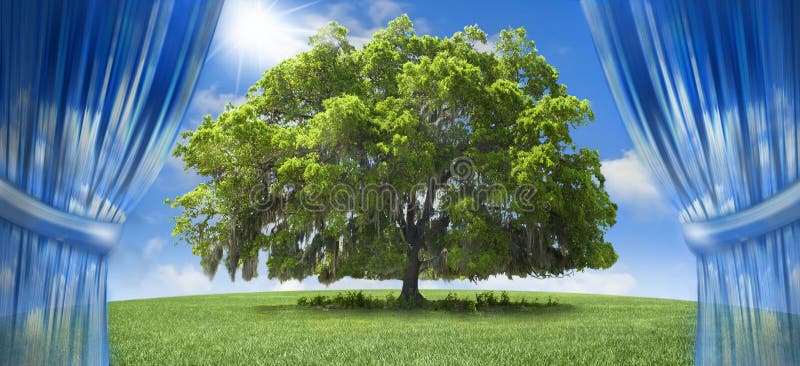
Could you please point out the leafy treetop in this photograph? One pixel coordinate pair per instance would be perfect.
(414, 155)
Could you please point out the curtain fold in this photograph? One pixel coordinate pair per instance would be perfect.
(709, 92)
(91, 96)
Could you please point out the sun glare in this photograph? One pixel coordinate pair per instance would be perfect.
(256, 34)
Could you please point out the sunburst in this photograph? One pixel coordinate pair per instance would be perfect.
(256, 34)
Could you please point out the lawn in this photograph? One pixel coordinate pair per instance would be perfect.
(269, 329)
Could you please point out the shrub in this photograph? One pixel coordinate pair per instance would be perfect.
(319, 300)
(347, 300)
(390, 301)
(483, 301)
(450, 301)
(505, 300)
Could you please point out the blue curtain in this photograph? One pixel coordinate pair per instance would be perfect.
(710, 95)
(91, 97)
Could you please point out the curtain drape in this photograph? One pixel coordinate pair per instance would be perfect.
(91, 97)
(709, 93)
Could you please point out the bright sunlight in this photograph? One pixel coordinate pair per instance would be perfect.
(253, 33)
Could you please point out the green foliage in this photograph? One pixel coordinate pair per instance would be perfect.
(414, 153)
(486, 299)
(348, 300)
(451, 302)
(483, 301)
(268, 328)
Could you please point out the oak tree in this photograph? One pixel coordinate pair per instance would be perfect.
(412, 156)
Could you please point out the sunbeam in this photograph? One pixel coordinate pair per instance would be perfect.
(257, 34)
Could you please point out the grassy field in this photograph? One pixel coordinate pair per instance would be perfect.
(269, 329)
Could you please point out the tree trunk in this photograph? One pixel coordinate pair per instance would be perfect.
(410, 295)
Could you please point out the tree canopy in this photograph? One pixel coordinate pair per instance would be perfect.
(410, 156)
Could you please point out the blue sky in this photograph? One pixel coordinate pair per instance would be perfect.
(653, 260)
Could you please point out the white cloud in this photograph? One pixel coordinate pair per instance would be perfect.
(590, 282)
(421, 25)
(361, 29)
(593, 282)
(489, 45)
(211, 101)
(291, 285)
(187, 280)
(348, 283)
(628, 181)
(381, 10)
(190, 280)
(153, 246)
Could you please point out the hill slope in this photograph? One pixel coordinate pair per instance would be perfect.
(268, 329)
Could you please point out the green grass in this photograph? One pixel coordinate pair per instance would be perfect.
(269, 329)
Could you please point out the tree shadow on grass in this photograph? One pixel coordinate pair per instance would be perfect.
(536, 310)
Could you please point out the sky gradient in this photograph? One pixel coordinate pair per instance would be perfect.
(653, 260)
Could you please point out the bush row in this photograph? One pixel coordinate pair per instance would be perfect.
(482, 301)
